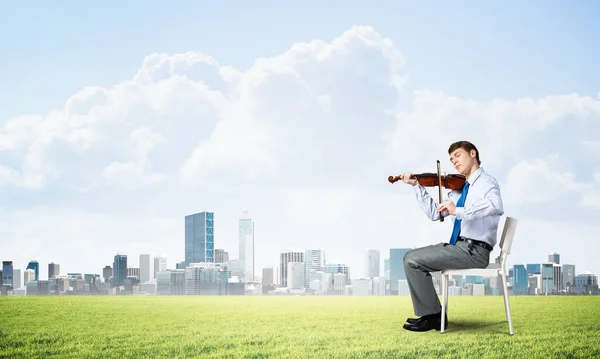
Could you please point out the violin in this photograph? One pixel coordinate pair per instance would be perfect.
(451, 181)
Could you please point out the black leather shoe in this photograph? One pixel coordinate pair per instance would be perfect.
(414, 320)
(425, 324)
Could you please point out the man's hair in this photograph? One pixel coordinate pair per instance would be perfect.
(465, 145)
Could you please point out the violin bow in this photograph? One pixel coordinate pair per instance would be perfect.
(440, 187)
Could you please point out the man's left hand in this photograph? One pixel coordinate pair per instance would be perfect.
(447, 206)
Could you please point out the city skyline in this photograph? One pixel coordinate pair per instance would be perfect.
(320, 259)
(312, 276)
(117, 135)
(133, 261)
(306, 269)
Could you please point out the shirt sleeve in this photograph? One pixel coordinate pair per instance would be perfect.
(428, 204)
(490, 205)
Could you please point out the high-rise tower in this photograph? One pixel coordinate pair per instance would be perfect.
(199, 238)
(247, 246)
(372, 263)
(119, 270)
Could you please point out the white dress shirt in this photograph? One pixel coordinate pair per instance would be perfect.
(481, 212)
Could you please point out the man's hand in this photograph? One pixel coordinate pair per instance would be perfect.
(406, 178)
(447, 206)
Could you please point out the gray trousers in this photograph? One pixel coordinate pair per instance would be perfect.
(419, 262)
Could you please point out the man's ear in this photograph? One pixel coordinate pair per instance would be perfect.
(473, 153)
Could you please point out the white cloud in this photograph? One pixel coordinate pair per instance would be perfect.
(73, 146)
(8, 175)
(136, 174)
(17, 132)
(238, 144)
(591, 197)
(128, 175)
(305, 140)
(85, 101)
(536, 181)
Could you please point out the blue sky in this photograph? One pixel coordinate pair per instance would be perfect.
(471, 52)
(468, 49)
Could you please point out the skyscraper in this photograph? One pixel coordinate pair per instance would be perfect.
(288, 257)
(160, 265)
(119, 270)
(221, 256)
(7, 273)
(568, 275)
(17, 279)
(146, 272)
(372, 263)
(547, 278)
(558, 278)
(35, 266)
(520, 280)
(199, 238)
(28, 276)
(554, 258)
(53, 270)
(247, 246)
(386, 268)
(107, 273)
(314, 260)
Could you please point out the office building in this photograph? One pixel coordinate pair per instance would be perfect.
(199, 238)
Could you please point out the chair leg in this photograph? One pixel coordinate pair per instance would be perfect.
(507, 304)
(444, 300)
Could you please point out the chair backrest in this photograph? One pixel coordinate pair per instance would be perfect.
(508, 234)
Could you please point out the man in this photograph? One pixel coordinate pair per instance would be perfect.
(475, 229)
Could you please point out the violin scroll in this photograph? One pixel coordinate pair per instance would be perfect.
(393, 179)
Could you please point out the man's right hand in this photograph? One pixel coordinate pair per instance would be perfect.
(406, 178)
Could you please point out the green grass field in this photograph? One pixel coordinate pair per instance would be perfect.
(292, 327)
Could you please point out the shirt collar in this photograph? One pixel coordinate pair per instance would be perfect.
(475, 175)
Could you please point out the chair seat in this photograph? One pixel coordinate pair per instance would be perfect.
(491, 270)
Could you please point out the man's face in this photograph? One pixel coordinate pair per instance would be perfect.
(462, 160)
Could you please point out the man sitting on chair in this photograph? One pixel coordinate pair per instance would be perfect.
(476, 211)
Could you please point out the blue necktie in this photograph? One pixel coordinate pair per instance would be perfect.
(461, 203)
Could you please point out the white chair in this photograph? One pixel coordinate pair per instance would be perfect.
(492, 270)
